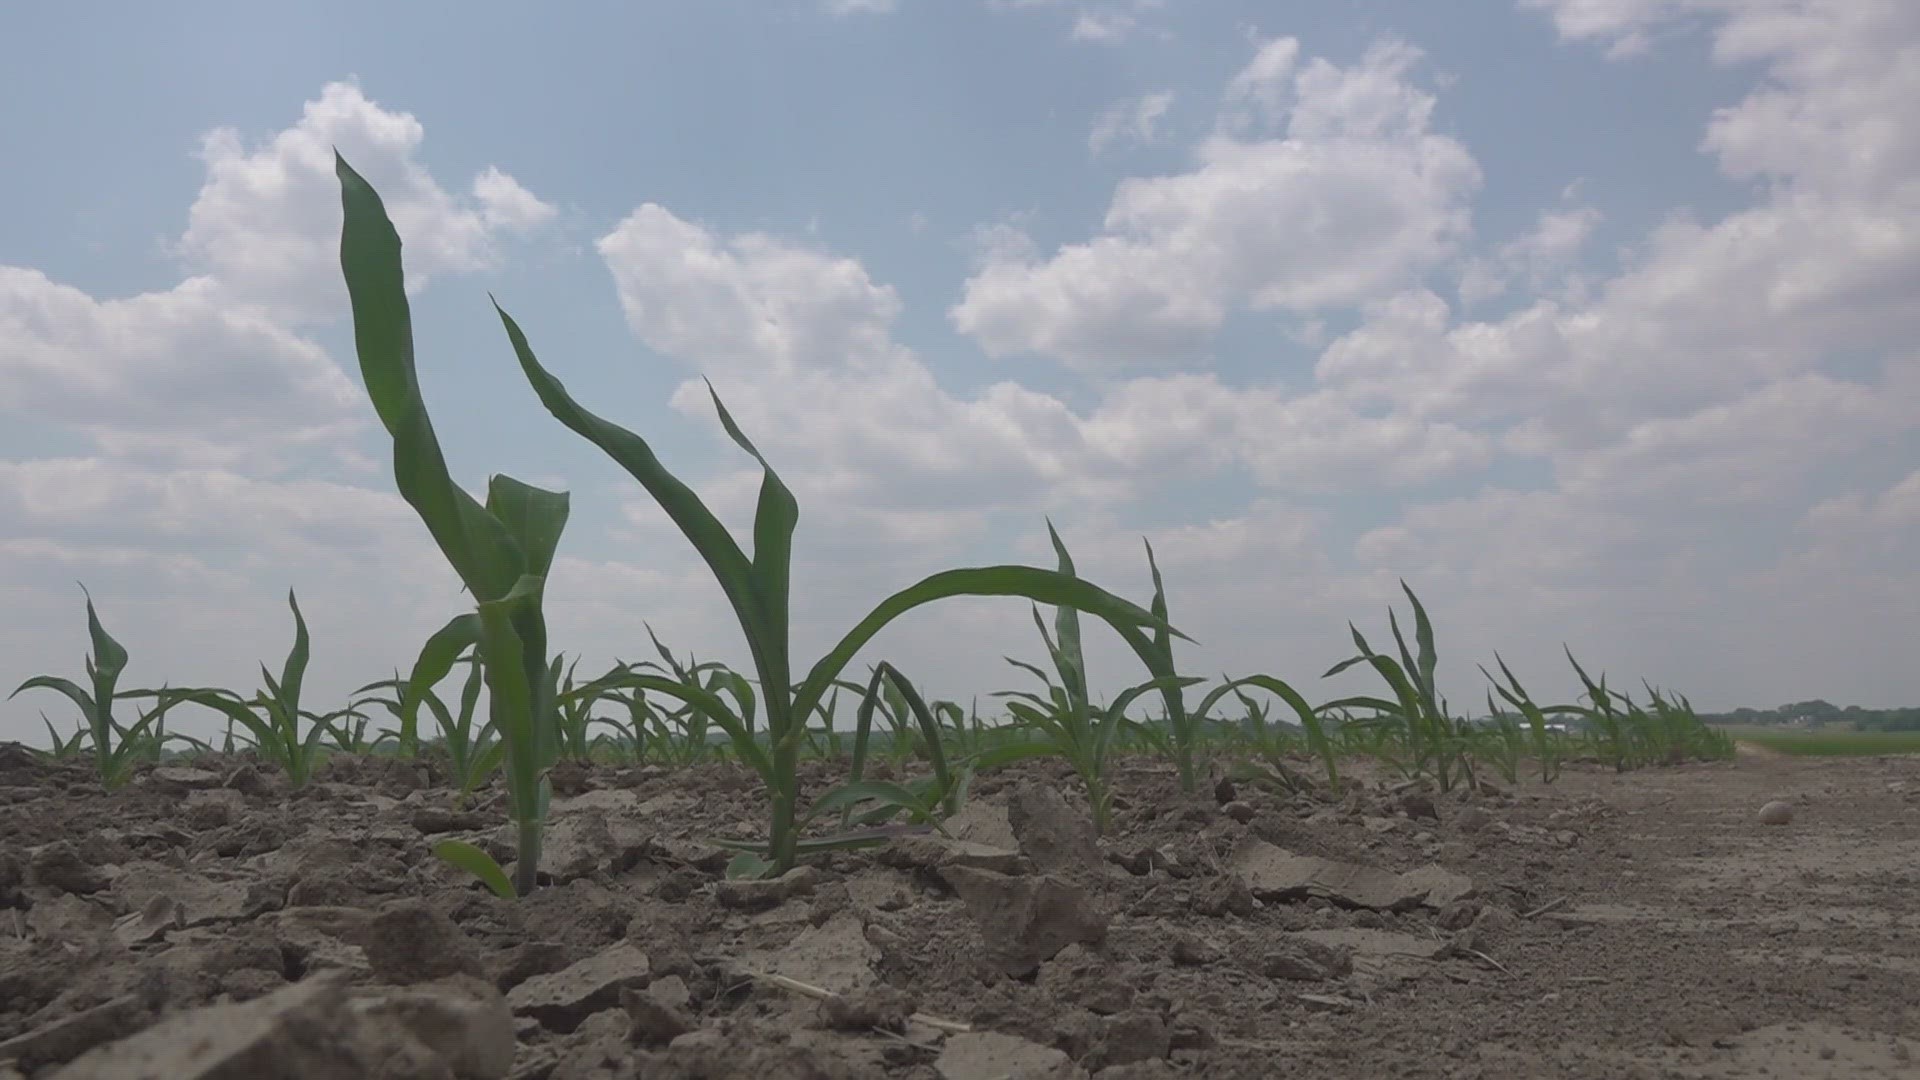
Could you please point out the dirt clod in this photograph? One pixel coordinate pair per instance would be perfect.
(1305, 960)
(986, 1055)
(60, 866)
(562, 999)
(409, 941)
(1477, 946)
(1026, 920)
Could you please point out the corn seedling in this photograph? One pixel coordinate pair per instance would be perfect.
(1065, 723)
(273, 716)
(1270, 746)
(64, 749)
(116, 748)
(1435, 745)
(758, 587)
(1546, 746)
(502, 550)
(472, 755)
(1608, 728)
(928, 799)
(1502, 742)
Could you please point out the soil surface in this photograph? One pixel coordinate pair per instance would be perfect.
(206, 920)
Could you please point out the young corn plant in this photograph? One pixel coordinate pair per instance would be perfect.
(65, 748)
(1264, 742)
(927, 800)
(1607, 727)
(1502, 743)
(116, 748)
(681, 736)
(502, 550)
(273, 716)
(1546, 742)
(1157, 654)
(1435, 744)
(1065, 719)
(472, 752)
(758, 587)
(576, 738)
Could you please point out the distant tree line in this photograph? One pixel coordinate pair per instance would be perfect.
(1818, 711)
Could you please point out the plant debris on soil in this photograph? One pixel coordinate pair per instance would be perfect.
(207, 921)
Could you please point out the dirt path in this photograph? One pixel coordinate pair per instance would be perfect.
(1604, 926)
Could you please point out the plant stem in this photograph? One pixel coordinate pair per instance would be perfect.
(526, 870)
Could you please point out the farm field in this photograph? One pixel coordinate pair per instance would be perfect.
(207, 919)
(1831, 741)
(721, 878)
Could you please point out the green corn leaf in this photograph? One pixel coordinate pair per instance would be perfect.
(464, 856)
(435, 661)
(709, 537)
(295, 672)
(773, 524)
(109, 658)
(1041, 586)
(71, 689)
(1066, 622)
(885, 792)
(475, 543)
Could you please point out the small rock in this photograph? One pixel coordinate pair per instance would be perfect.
(1191, 950)
(70, 1036)
(1225, 895)
(1026, 920)
(409, 942)
(525, 960)
(1188, 1031)
(433, 820)
(670, 990)
(247, 780)
(883, 1007)
(183, 777)
(1080, 977)
(765, 893)
(1051, 833)
(1126, 1039)
(912, 852)
(989, 1055)
(270, 1036)
(59, 866)
(564, 998)
(652, 1020)
(1776, 812)
(462, 1019)
(1458, 915)
(1418, 804)
(1305, 960)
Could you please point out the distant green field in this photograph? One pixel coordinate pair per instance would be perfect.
(1829, 742)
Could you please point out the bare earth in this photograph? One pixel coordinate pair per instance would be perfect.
(206, 921)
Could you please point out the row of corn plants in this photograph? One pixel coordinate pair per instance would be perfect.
(539, 711)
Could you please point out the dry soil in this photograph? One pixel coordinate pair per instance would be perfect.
(208, 921)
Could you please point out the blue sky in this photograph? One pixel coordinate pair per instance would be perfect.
(1590, 318)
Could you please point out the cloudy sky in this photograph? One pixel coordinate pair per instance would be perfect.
(1594, 320)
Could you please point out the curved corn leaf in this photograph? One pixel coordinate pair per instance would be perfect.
(1042, 586)
(464, 856)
